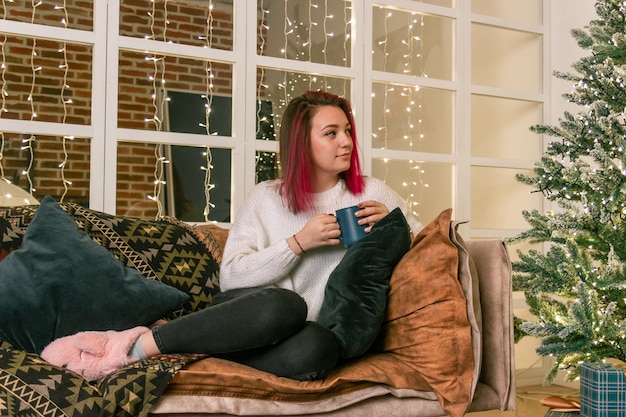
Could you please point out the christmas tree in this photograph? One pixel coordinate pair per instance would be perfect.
(576, 285)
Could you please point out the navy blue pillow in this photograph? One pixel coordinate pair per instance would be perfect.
(356, 293)
(61, 282)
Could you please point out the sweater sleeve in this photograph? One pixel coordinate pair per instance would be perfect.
(252, 256)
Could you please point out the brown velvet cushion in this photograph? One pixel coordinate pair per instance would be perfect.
(426, 323)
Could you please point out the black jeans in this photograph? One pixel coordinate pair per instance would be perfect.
(262, 328)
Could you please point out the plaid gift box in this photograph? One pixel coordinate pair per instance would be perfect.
(552, 413)
(602, 390)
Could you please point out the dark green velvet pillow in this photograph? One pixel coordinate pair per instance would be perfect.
(61, 282)
(356, 293)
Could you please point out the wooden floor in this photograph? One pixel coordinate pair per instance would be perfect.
(528, 404)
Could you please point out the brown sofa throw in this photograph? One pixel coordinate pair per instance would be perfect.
(427, 323)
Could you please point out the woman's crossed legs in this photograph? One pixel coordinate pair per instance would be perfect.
(262, 328)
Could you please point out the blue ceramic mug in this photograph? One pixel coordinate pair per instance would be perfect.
(351, 230)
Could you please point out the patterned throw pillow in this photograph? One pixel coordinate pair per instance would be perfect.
(13, 223)
(30, 386)
(167, 250)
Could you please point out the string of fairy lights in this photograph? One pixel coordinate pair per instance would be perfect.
(28, 143)
(208, 98)
(65, 101)
(415, 27)
(263, 159)
(3, 92)
(160, 100)
(412, 43)
(297, 43)
(260, 159)
(157, 81)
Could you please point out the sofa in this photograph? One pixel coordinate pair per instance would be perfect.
(445, 346)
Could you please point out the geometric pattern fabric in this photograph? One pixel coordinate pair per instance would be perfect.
(13, 223)
(29, 386)
(167, 249)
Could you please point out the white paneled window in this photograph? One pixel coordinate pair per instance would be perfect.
(173, 107)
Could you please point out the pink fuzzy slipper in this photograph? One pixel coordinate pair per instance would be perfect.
(93, 354)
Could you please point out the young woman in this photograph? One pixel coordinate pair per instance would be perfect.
(279, 255)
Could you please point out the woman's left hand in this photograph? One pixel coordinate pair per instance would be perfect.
(371, 212)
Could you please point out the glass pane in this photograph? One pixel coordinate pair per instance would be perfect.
(427, 187)
(526, 11)
(500, 128)
(143, 78)
(498, 199)
(199, 23)
(185, 196)
(317, 32)
(412, 119)
(70, 14)
(48, 165)
(182, 176)
(266, 166)
(266, 163)
(505, 58)
(412, 43)
(276, 89)
(193, 112)
(46, 81)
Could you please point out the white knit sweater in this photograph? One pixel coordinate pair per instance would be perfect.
(257, 253)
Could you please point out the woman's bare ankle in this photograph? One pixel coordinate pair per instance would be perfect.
(149, 344)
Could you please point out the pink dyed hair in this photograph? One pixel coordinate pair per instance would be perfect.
(295, 149)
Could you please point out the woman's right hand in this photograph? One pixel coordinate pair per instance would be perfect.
(321, 230)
